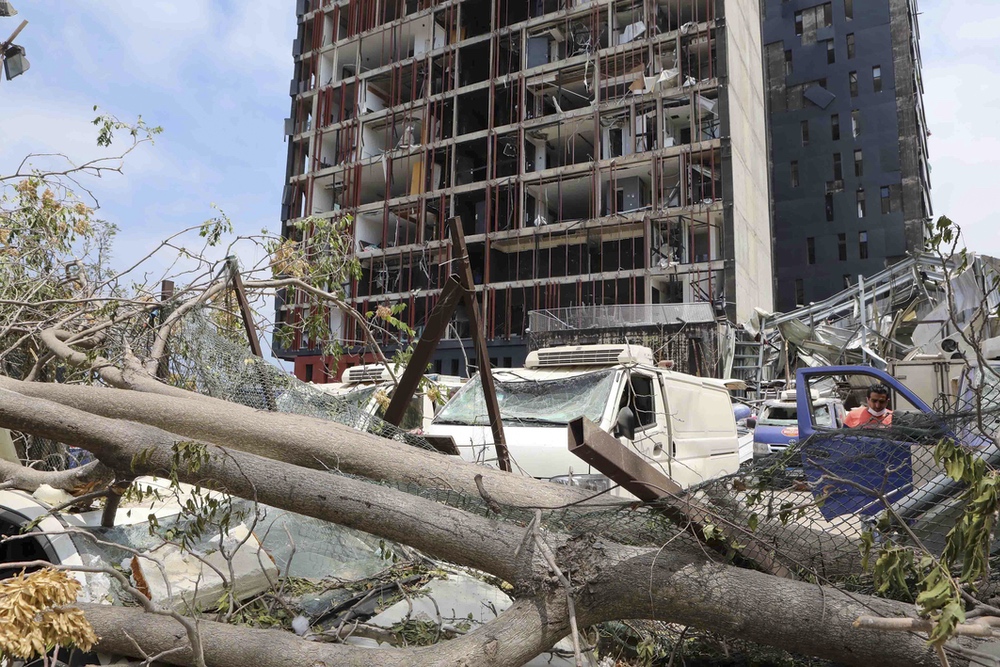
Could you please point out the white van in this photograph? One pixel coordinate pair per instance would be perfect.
(681, 423)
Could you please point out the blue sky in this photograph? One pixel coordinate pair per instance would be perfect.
(215, 75)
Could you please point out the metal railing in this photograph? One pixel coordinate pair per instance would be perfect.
(613, 317)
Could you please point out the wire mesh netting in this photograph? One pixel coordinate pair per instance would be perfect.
(204, 360)
(806, 509)
(812, 501)
(808, 504)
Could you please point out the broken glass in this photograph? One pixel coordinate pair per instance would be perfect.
(533, 402)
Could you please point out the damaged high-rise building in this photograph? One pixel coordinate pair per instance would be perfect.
(596, 152)
(850, 177)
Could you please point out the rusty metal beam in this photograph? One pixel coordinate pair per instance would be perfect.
(241, 299)
(437, 323)
(460, 254)
(251, 330)
(604, 452)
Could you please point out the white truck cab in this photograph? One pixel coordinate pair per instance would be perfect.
(681, 423)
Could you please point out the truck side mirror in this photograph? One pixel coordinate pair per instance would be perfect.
(625, 424)
(751, 422)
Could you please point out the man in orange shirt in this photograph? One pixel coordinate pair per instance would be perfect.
(874, 415)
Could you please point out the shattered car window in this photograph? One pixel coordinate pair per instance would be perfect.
(533, 402)
(360, 397)
(779, 413)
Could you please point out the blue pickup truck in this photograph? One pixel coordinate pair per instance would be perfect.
(841, 463)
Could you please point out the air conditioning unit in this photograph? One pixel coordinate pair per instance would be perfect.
(952, 347)
(589, 355)
(369, 373)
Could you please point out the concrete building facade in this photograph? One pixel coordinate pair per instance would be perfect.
(849, 159)
(596, 152)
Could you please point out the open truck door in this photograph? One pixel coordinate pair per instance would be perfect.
(850, 468)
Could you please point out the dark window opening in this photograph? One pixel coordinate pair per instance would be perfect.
(805, 133)
(811, 250)
(838, 170)
(856, 123)
(861, 202)
(615, 138)
(877, 79)
(850, 46)
(638, 396)
(831, 52)
(852, 79)
(795, 174)
(835, 127)
(859, 163)
(788, 62)
(863, 245)
(800, 293)
(849, 9)
(829, 207)
(886, 200)
(842, 247)
(309, 372)
(798, 23)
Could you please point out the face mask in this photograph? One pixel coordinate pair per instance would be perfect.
(878, 413)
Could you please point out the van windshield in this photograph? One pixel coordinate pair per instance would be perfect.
(533, 402)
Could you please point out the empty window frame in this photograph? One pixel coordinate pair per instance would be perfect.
(850, 46)
(798, 23)
(859, 163)
(842, 247)
(862, 245)
(811, 250)
(877, 79)
(852, 80)
(616, 141)
(886, 197)
(835, 127)
(831, 52)
(795, 173)
(805, 132)
(838, 168)
(861, 203)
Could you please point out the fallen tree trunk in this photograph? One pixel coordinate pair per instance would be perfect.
(303, 441)
(609, 581)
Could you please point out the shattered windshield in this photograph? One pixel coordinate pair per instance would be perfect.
(533, 402)
(359, 398)
(778, 414)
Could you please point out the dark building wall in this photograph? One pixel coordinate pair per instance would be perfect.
(887, 138)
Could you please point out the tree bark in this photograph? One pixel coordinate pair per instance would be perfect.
(71, 481)
(792, 615)
(303, 441)
(674, 583)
